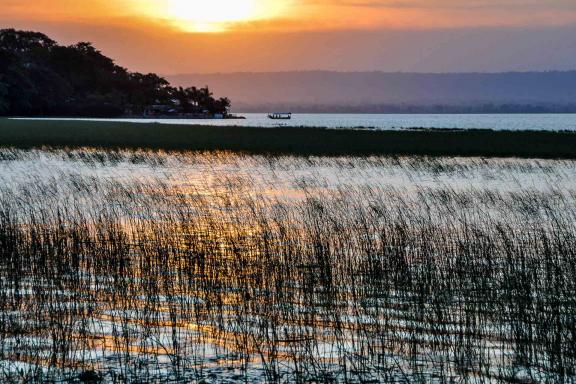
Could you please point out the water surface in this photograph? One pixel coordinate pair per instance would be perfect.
(545, 122)
(215, 267)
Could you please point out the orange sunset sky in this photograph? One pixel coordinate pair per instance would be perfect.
(180, 36)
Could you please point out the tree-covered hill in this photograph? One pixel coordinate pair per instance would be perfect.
(393, 92)
(39, 77)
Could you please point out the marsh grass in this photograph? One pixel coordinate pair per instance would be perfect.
(302, 141)
(131, 266)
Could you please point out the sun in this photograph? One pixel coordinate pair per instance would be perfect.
(213, 15)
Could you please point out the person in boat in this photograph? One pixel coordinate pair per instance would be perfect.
(280, 115)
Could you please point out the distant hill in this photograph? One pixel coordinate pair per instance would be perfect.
(323, 91)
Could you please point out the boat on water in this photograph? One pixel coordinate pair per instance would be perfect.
(280, 115)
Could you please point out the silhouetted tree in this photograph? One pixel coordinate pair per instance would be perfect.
(24, 41)
(38, 77)
(144, 90)
(3, 98)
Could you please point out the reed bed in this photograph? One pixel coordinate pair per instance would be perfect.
(301, 141)
(142, 266)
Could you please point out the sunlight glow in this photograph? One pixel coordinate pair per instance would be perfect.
(216, 15)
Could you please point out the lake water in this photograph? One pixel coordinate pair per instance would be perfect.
(546, 122)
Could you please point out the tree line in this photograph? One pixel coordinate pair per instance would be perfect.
(39, 77)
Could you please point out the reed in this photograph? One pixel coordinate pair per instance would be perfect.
(208, 267)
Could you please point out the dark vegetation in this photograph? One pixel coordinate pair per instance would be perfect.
(297, 141)
(38, 77)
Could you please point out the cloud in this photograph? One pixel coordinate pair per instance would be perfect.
(156, 47)
(447, 4)
(423, 14)
(313, 15)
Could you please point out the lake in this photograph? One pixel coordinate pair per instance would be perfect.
(546, 122)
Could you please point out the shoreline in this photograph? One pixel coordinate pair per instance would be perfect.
(287, 140)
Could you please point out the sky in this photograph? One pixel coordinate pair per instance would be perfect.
(187, 36)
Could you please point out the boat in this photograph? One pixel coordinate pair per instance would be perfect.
(280, 115)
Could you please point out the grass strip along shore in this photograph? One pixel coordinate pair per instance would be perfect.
(288, 140)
